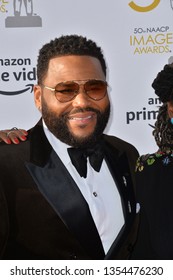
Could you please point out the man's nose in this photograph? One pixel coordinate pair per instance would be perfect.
(81, 99)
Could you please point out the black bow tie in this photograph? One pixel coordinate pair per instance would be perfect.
(79, 156)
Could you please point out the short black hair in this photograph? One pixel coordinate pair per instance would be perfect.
(67, 45)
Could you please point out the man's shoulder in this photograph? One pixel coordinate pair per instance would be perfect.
(12, 150)
(15, 151)
(8, 149)
(120, 144)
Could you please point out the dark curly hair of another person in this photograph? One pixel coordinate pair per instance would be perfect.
(163, 83)
(163, 86)
(67, 45)
(163, 131)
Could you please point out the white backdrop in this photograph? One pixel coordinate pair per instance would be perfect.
(137, 39)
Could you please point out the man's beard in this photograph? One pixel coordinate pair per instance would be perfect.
(58, 126)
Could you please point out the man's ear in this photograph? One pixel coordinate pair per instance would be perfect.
(37, 96)
(170, 109)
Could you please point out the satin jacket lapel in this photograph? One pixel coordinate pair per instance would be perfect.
(119, 168)
(60, 190)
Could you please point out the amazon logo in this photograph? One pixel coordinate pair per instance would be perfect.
(144, 9)
(12, 72)
(28, 87)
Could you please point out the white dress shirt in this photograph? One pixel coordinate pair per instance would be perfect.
(98, 189)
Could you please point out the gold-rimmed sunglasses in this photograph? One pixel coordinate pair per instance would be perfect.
(68, 90)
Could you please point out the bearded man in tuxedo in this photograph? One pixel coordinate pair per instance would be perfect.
(68, 191)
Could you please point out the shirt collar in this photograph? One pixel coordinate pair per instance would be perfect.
(59, 147)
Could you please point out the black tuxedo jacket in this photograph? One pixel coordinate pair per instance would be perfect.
(43, 214)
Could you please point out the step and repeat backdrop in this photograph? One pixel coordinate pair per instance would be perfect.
(137, 40)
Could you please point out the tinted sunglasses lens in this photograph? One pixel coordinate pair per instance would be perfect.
(66, 91)
(96, 89)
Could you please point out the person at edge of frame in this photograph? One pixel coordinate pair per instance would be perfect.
(154, 179)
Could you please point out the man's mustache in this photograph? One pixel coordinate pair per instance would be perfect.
(81, 110)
